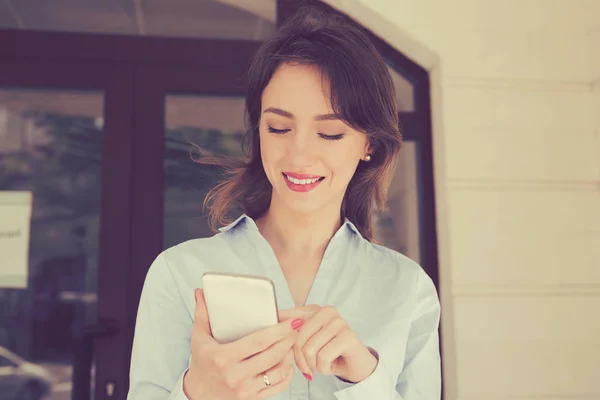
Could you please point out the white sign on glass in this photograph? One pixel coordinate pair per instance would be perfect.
(15, 222)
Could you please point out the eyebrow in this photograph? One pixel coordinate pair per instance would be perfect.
(287, 114)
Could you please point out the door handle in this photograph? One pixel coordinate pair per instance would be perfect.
(84, 355)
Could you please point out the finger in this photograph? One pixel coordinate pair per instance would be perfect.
(201, 321)
(273, 390)
(311, 327)
(313, 346)
(261, 340)
(302, 364)
(331, 352)
(266, 359)
(304, 312)
(275, 375)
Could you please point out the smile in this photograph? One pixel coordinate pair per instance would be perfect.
(302, 182)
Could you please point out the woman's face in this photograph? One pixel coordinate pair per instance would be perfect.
(309, 155)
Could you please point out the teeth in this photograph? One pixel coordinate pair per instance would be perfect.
(301, 181)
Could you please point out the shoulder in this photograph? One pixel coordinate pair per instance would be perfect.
(186, 262)
(392, 271)
(230, 242)
(195, 250)
(389, 263)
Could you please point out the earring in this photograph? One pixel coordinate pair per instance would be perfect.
(368, 158)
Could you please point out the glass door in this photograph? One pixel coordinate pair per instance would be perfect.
(65, 164)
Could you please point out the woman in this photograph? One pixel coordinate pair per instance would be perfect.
(358, 320)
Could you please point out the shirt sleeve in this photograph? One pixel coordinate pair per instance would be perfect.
(161, 345)
(420, 378)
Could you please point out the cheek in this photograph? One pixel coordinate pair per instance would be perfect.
(342, 163)
(270, 150)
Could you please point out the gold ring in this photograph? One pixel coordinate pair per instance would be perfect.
(266, 380)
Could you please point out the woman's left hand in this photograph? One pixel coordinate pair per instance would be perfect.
(327, 345)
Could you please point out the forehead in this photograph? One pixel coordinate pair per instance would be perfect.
(302, 90)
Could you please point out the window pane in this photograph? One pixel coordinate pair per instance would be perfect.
(217, 125)
(398, 227)
(405, 96)
(50, 145)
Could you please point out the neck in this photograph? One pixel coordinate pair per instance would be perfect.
(299, 235)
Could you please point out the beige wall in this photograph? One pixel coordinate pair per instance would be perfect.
(517, 152)
(593, 25)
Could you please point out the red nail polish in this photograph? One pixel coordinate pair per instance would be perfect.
(307, 376)
(297, 323)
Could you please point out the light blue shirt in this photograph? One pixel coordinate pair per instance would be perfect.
(386, 299)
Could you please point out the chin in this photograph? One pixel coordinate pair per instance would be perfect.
(305, 206)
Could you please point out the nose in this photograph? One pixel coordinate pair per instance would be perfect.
(302, 148)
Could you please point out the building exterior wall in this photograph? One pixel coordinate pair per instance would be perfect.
(516, 115)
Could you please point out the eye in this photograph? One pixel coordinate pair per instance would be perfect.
(331, 137)
(277, 131)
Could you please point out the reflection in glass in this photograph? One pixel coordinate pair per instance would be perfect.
(50, 144)
(213, 19)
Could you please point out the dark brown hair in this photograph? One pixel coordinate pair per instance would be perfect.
(362, 95)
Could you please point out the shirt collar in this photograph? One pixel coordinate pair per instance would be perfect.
(242, 219)
(249, 222)
(352, 227)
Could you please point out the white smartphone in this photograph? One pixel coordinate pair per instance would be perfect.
(238, 305)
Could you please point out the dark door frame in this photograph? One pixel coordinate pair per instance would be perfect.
(158, 66)
(114, 255)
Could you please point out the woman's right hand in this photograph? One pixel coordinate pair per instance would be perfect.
(236, 370)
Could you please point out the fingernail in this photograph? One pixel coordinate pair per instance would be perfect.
(297, 323)
(196, 295)
(307, 376)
